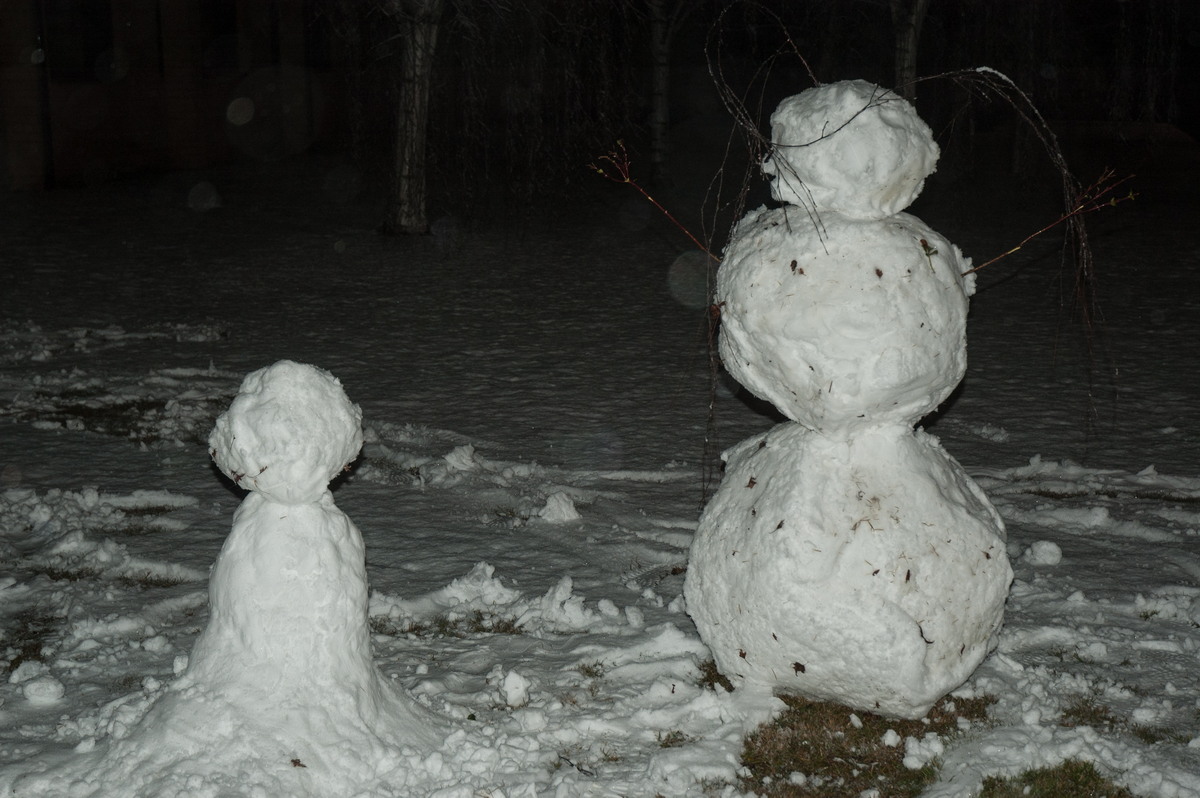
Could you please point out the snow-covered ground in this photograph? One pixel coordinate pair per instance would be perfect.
(535, 395)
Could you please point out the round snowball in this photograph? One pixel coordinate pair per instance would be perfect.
(849, 323)
(288, 432)
(850, 147)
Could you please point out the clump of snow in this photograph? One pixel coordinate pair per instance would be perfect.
(1043, 552)
(43, 690)
(920, 751)
(851, 147)
(559, 509)
(514, 689)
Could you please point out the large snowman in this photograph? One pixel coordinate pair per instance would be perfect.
(281, 695)
(845, 556)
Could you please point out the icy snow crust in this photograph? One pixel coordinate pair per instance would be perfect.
(846, 322)
(850, 147)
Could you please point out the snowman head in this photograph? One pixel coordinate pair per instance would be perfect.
(288, 432)
(850, 147)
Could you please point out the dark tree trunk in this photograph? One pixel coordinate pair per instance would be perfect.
(346, 22)
(666, 17)
(660, 85)
(907, 16)
(419, 21)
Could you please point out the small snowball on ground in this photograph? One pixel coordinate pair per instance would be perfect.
(920, 752)
(850, 147)
(1043, 552)
(43, 690)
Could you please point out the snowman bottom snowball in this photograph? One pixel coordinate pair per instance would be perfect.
(870, 571)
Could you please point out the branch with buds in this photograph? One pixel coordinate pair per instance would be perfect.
(1095, 197)
(620, 165)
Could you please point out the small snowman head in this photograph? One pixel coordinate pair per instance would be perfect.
(289, 431)
(850, 147)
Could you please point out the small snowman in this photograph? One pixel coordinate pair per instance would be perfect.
(287, 630)
(281, 695)
(846, 556)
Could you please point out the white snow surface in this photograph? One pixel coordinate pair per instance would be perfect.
(571, 370)
(851, 147)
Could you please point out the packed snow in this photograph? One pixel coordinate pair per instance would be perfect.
(534, 406)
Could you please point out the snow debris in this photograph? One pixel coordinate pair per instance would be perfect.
(514, 689)
(918, 752)
(43, 690)
(559, 509)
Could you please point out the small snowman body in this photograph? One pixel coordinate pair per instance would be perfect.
(280, 695)
(288, 593)
(847, 557)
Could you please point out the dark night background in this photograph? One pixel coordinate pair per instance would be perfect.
(525, 95)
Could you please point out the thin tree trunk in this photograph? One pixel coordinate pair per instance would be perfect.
(345, 16)
(660, 85)
(406, 211)
(907, 16)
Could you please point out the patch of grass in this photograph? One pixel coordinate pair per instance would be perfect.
(710, 677)
(508, 516)
(141, 580)
(27, 638)
(66, 574)
(839, 755)
(120, 416)
(591, 670)
(672, 739)
(1152, 735)
(1071, 779)
(130, 531)
(147, 579)
(1086, 711)
(478, 622)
